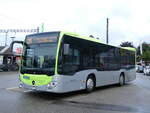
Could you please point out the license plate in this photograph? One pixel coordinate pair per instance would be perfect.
(26, 77)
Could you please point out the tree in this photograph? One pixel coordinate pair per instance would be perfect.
(91, 36)
(146, 52)
(126, 44)
(145, 47)
(146, 55)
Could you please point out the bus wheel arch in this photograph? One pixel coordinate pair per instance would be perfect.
(122, 79)
(90, 83)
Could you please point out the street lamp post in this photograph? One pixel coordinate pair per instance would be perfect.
(107, 30)
(6, 38)
(12, 38)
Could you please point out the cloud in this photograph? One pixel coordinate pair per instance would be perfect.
(129, 19)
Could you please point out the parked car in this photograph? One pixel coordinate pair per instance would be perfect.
(146, 70)
(139, 68)
(136, 68)
(9, 67)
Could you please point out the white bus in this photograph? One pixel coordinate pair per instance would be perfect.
(63, 62)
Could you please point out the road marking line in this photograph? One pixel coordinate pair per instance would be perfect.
(11, 88)
(27, 91)
(18, 89)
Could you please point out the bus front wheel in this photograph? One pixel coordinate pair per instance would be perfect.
(90, 84)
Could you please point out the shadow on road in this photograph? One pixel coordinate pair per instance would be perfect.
(61, 100)
(96, 106)
(57, 96)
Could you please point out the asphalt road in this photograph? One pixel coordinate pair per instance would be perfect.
(131, 98)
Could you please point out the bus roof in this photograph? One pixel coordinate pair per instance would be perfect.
(94, 40)
(129, 48)
(80, 36)
(83, 37)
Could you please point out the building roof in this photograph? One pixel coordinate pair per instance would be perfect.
(5, 51)
(1, 47)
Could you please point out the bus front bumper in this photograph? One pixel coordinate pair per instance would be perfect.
(45, 88)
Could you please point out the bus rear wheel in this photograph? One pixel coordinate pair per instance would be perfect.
(121, 80)
(90, 84)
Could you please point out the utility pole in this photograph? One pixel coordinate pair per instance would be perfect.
(6, 38)
(107, 31)
(38, 29)
(12, 38)
(42, 27)
(141, 48)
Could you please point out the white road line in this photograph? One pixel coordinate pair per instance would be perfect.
(18, 89)
(27, 91)
(11, 88)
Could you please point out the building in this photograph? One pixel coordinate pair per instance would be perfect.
(9, 60)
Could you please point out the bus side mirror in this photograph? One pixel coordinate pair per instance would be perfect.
(66, 49)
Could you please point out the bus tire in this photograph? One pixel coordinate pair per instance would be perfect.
(90, 84)
(121, 80)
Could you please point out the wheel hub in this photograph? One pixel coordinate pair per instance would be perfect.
(90, 84)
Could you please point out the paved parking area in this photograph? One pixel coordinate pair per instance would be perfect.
(131, 98)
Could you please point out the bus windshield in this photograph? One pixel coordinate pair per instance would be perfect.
(39, 56)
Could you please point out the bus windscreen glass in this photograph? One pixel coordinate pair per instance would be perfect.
(39, 54)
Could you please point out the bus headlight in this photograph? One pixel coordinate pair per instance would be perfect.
(20, 85)
(52, 85)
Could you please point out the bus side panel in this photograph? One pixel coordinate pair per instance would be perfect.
(68, 83)
(107, 77)
(130, 75)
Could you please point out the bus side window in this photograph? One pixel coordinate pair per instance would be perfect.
(68, 58)
(76, 57)
(71, 61)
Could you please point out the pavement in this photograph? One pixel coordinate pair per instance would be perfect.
(131, 98)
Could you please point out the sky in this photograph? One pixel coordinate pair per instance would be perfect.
(129, 20)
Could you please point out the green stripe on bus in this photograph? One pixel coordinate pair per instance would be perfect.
(39, 79)
(80, 36)
(57, 54)
(129, 48)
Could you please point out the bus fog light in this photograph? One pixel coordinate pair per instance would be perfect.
(52, 85)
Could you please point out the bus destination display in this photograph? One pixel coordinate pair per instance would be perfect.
(34, 40)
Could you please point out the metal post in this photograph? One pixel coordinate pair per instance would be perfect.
(12, 38)
(37, 29)
(107, 31)
(6, 38)
(141, 48)
(42, 27)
